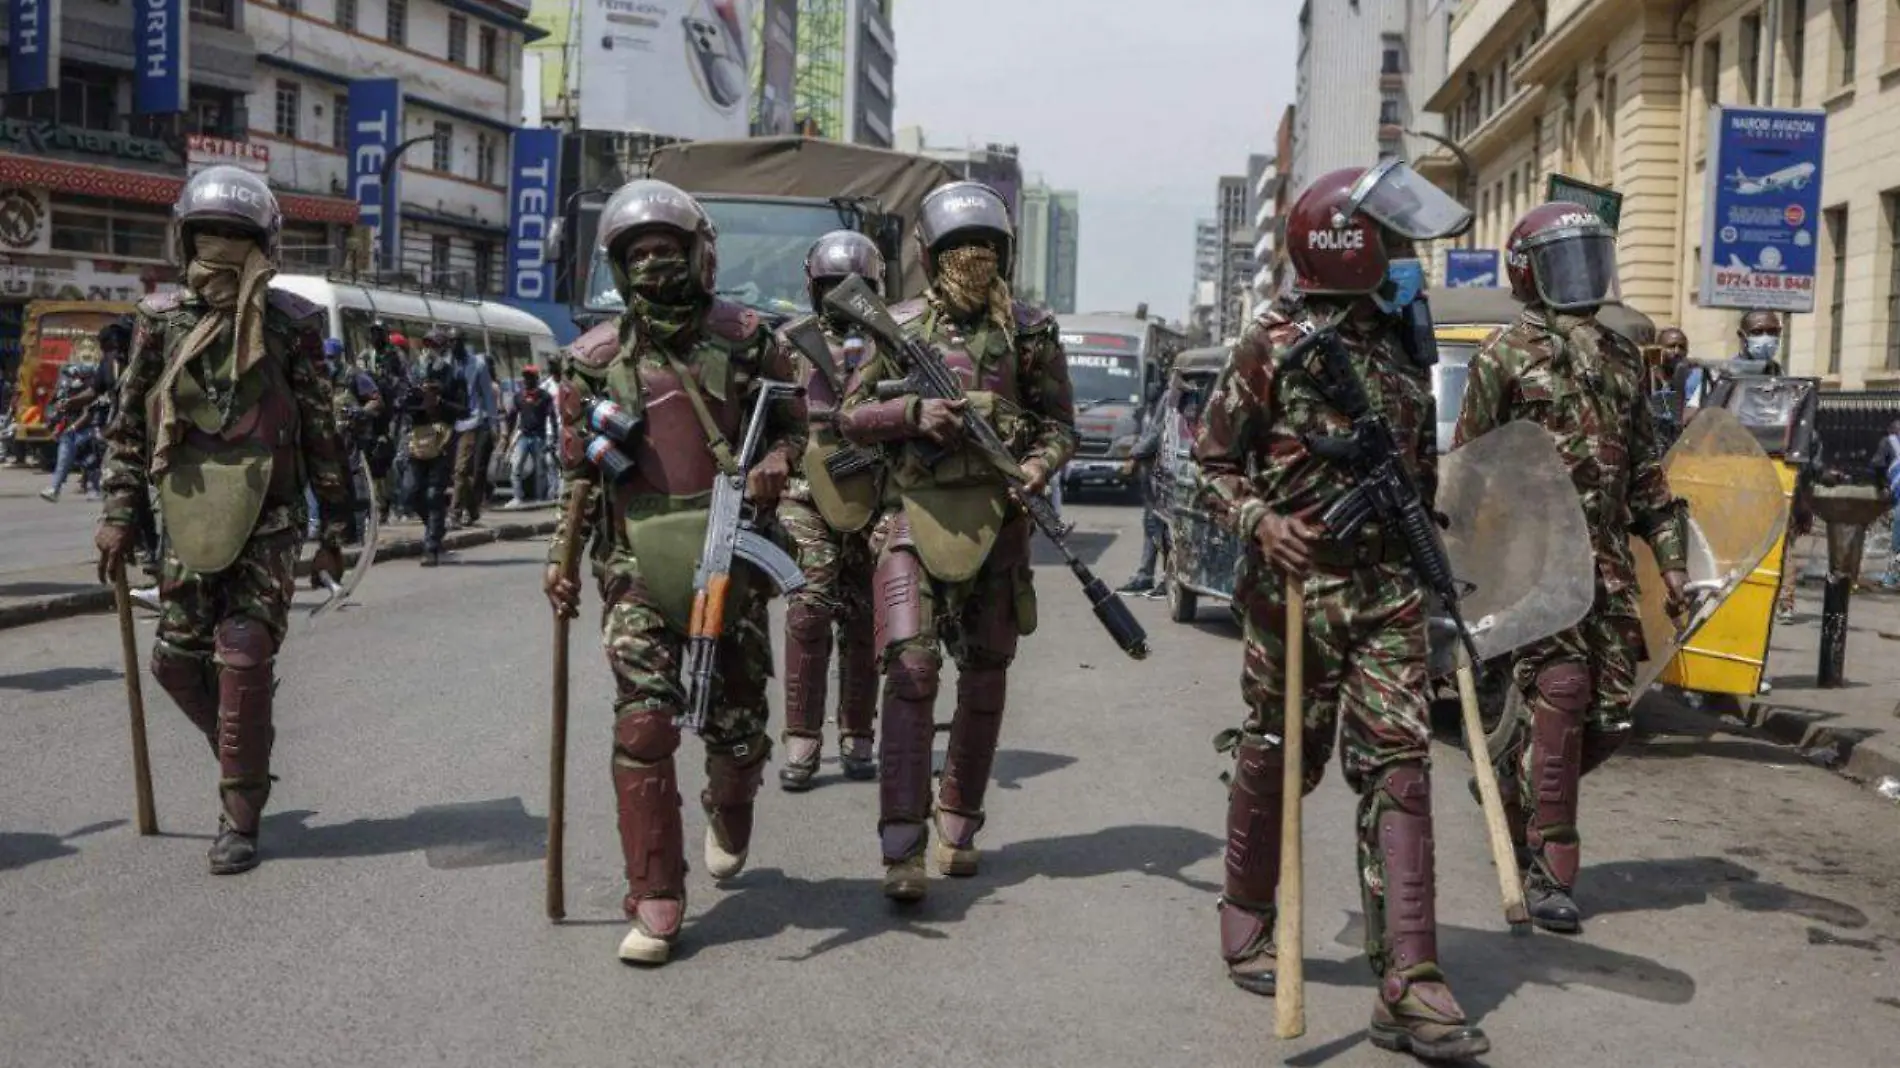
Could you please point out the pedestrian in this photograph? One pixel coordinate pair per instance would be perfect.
(1560, 367)
(952, 547)
(474, 439)
(1885, 468)
(530, 419)
(225, 408)
(1759, 335)
(1350, 237)
(73, 431)
(692, 363)
(828, 520)
(385, 363)
(1142, 465)
(437, 401)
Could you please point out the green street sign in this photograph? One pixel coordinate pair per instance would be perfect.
(1606, 202)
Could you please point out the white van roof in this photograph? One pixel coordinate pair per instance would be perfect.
(469, 314)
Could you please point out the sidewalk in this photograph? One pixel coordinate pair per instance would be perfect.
(48, 568)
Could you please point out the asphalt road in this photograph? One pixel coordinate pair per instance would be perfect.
(1743, 904)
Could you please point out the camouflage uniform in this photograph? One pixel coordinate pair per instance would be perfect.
(1585, 384)
(934, 589)
(219, 632)
(643, 562)
(1365, 637)
(837, 561)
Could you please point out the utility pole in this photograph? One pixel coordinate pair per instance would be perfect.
(392, 240)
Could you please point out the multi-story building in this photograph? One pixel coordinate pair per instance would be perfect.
(1065, 236)
(1350, 100)
(1032, 243)
(459, 63)
(1617, 92)
(870, 58)
(1231, 198)
(997, 166)
(1272, 195)
(1204, 297)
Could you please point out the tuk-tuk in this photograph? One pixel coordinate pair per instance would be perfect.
(55, 332)
(1203, 557)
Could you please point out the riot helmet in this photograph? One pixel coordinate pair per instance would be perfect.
(965, 209)
(1563, 256)
(1344, 228)
(230, 196)
(838, 255)
(647, 203)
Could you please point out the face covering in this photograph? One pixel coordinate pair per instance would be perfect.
(662, 296)
(1404, 281)
(1763, 347)
(232, 276)
(968, 282)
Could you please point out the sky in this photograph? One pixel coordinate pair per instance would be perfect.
(1138, 107)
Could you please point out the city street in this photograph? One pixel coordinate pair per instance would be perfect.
(1743, 906)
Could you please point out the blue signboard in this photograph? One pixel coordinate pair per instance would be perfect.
(533, 198)
(160, 28)
(1762, 208)
(375, 129)
(1471, 268)
(33, 45)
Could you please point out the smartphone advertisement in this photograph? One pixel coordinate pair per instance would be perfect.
(677, 68)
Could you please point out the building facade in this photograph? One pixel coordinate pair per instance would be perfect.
(1232, 196)
(1350, 99)
(870, 59)
(1065, 243)
(1031, 281)
(459, 63)
(1204, 299)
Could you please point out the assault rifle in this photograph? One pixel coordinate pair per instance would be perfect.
(809, 339)
(730, 532)
(1385, 492)
(931, 379)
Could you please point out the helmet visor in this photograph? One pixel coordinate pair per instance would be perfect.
(1401, 201)
(1575, 269)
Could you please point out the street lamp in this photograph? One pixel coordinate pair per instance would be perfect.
(1467, 180)
(393, 242)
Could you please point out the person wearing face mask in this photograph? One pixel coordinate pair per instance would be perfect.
(1760, 338)
(1350, 238)
(1558, 366)
(685, 370)
(226, 408)
(828, 518)
(436, 401)
(952, 545)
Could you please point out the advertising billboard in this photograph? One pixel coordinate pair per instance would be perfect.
(161, 61)
(778, 65)
(1762, 208)
(676, 68)
(33, 45)
(1471, 268)
(534, 190)
(375, 131)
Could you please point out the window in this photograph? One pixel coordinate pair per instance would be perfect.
(207, 116)
(1389, 111)
(1835, 220)
(98, 227)
(288, 5)
(346, 15)
(340, 120)
(490, 55)
(458, 40)
(213, 12)
(1712, 71)
(1392, 55)
(1750, 63)
(1847, 34)
(1512, 203)
(439, 249)
(1892, 203)
(1797, 47)
(87, 99)
(397, 31)
(289, 103)
(484, 266)
(486, 158)
(444, 147)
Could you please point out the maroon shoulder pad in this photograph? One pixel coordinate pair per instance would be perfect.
(730, 321)
(596, 347)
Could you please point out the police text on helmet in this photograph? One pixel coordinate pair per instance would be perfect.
(1347, 240)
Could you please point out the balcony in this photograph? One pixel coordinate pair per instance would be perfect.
(1263, 248)
(1268, 184)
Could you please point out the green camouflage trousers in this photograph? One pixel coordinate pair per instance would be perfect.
(1365, 674)
(646, 652)
(837, 565)
(1609, 642)
(259, 584)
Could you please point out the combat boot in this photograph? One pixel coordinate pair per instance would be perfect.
(732, 786)
(1415, 1012)
(857, 700)
(904, 750)
(1253, 867)
(807, 656)
(966, 768)
(245, 691)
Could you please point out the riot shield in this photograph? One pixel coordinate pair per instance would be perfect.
(1518, 542)
(1737, 510)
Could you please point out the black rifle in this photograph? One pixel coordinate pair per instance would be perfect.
(1385, 492)
(931, 379)
(809, 339)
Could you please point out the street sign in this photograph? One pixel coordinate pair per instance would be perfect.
(1471, 268)
(1762, 208)
(1606, 202)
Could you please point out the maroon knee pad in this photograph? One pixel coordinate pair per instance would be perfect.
(807, 658)
(904, 750)
(1563, 694)
(1405, 844)
(245, 650)
(1254, 801)
(192, 681)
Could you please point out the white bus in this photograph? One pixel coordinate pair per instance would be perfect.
(509, 337)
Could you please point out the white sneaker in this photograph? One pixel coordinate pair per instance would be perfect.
(719, 863)
(148, 597)
(49, 495)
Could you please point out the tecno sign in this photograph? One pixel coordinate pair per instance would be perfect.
(531, 231)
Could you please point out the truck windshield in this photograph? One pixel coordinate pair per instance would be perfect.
(762, 246)
(1105, 377)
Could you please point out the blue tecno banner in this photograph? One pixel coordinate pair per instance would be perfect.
(1762, 208)
(160, 28)
(375, 130)
(33, 45)
(533, 191)
(1471, 268)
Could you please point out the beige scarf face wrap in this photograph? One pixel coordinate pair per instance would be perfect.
(968, 282)
(233, 276)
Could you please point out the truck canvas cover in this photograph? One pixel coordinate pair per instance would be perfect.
(803, 167)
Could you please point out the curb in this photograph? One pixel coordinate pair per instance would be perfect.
(1808, 730)
(62, 606)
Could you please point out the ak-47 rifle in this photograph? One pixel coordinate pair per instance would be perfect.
(932, 379)
(730, 533)
(809, 339)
